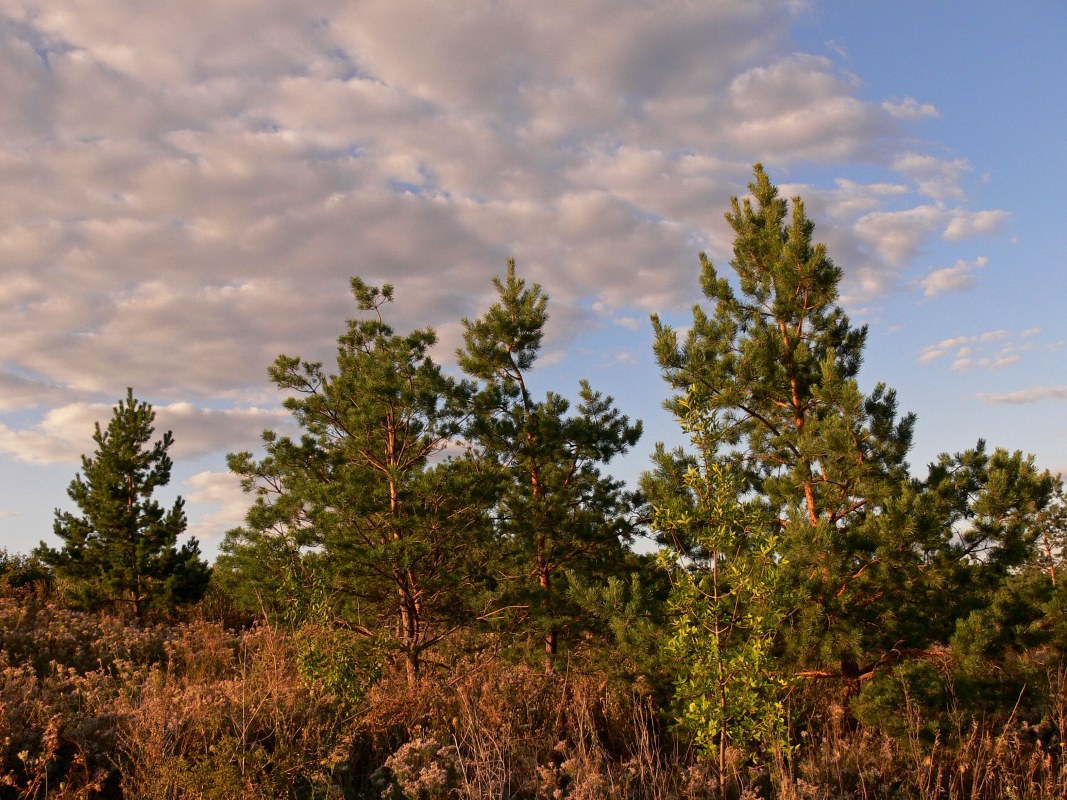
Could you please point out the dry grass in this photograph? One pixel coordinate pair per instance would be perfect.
(93, 708)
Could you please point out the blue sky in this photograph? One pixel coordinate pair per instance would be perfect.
(188, 187)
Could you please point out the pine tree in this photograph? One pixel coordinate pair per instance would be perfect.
(556, 511)
(879, 565)
(396, 534)
(773, 371)
(123, 546)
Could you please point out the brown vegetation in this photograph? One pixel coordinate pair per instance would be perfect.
(91, 707)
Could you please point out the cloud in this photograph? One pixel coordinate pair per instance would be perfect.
(221, 494)
(935, 351)
(800, 107)
(878, 230)
(910, 109)
(1034, 394)
(935, 177)
(199, 431)
(991, 350)
(184, 201)
(957, 278)
(968, 224)
(65, 433)
(897, 236)
(60, 438)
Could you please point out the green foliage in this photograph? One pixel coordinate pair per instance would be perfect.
(24, 574)
(995, 505)
(400, 536)
(880, 565)
(913, 698)
(727, 600)
(771, 377)
(625, 617)
(123, 547)
(556, 514)
(329, 654)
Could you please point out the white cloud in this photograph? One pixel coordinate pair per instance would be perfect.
(935, 351)
(65, 433)
(910, 109)
(898, 236)
(226, 503)
(184, 200)
(800, 107)
(957, 278)
(968, 224)
(991, 350)
(936, 178)
(62, 436)
(1033, 394)
(199, 431)
(851, 199)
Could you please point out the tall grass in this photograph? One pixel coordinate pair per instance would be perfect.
(93, 708)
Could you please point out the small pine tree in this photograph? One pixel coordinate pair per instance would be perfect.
(879, 565)
(772, 371)
(375, 499)
(123, 546)
(558, 516)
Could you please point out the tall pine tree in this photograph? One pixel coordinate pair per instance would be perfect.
(122, 549)
(368, 492)
(557, 513)
(879, 564)
(773, 370)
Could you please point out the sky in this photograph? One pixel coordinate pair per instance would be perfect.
(188, 187)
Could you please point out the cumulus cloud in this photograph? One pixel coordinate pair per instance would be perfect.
(188, 187)
(199, 431)
(897, 236)
(935, 351)
(224, 503)
(991, 350)
(910, 109)
(965, 224)
(801, 107)
(61, 437)
(65, 433)
(936, 177)
(1034, 394)
(957, 278)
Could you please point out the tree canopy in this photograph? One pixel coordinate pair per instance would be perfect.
(122, 548)
(877, 565)
(557, 516)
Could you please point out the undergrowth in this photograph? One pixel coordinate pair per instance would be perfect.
(91, 707)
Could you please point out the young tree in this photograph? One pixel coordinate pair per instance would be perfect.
(871, 554)
(397, 533)
(123, 546)
(727, 600)
(556, 512)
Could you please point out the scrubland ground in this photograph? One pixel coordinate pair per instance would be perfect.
(92, 707)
